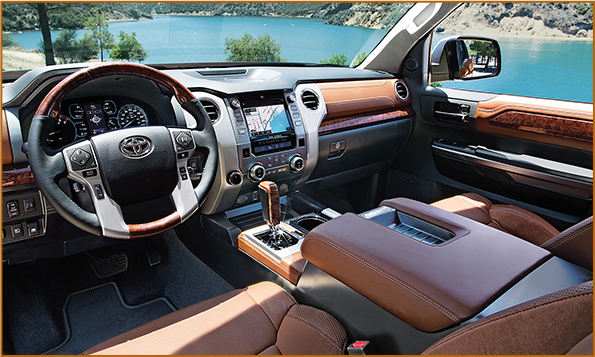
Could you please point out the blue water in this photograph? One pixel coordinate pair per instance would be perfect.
(546, 68)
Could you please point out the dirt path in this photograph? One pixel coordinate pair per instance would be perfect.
(15, 60)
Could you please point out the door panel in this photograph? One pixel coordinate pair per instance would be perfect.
(555, 122)
(534, 153)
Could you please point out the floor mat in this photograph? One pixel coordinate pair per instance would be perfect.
(97, 314)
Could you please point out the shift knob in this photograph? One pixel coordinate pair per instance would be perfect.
(269, 199)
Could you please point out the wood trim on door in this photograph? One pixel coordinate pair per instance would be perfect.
(560, 123)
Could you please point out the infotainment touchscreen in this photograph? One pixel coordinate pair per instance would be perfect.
(267, 120)
(95, 120)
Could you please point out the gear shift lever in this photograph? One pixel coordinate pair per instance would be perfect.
(269, 199)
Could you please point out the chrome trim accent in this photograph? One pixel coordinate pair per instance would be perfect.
(16, 136)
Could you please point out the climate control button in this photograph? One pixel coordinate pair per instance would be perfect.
(296, 163)
(256, 172)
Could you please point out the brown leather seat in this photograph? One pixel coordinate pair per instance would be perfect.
(554, 324)
(260, 319)
(574, 244)
(511, 219)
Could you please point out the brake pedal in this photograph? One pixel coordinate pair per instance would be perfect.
(110, 266)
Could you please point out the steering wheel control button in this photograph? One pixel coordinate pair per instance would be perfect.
(90, 173)
(182, 155)
(98, 191)
(13, 208)
(81, 158)
(16, 230)
(136, 147)
(184, 141)
(184, 176)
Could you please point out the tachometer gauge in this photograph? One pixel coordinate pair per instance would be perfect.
(132, 115)
(62, 134)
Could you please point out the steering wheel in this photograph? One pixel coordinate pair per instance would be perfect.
(127, 167)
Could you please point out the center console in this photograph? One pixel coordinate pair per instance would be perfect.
(430, 268)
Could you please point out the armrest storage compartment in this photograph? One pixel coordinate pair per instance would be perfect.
(431, 268)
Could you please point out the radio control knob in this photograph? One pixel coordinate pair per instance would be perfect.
(256, 172)
(296, 163)
(234, 178)
(235, 103)
(291, 98)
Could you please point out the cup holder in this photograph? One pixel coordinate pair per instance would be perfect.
(307, 222)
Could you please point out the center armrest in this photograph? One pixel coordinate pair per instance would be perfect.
(430, 286)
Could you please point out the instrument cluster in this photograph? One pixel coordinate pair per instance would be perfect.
(83, 118)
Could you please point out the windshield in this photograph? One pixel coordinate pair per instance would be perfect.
(38, 34)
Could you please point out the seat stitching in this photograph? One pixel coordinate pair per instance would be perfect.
(264, 312)
(524, 215)
(571, 235)
(510, 314)
(312, 327)
(390, 277)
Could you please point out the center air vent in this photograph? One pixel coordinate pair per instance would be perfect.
(402, 91)
(310, 100)
(211, 109)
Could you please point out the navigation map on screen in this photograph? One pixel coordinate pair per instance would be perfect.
(267, 120)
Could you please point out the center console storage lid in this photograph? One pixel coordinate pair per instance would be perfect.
(430, 287)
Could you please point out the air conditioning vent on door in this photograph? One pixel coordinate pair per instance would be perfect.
(310, 100)
(402, 91)
(211, 108)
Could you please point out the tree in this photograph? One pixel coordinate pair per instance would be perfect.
(44, 23)
(97, 23)
(359, 58)
(483, 49)
(250, 49)
(128, 48)
(69, 50)
(8, 41)
(338, 58)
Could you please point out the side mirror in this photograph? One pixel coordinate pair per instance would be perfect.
(465, 58)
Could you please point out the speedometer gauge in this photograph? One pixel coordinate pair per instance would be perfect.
(132, 115)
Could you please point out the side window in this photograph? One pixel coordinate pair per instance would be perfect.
(547, 48)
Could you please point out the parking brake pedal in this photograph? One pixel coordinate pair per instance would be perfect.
(111, 265)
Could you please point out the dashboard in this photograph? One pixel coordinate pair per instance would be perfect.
(316, 126)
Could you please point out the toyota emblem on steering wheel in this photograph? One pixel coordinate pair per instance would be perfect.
(136, 146)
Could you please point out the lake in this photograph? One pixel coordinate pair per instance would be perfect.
(547, 68)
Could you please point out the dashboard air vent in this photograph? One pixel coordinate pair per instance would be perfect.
(402, 91)
(310, 100)
(211, 109)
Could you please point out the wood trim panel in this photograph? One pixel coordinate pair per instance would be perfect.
(330, 126)
(18, 174)
(349, 98)
(566, 124)
(158, 226)
(545, 124)
(290, 268)
(6, 148)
